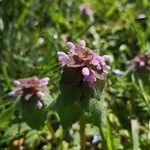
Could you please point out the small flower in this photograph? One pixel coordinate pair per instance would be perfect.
(82, 43)
(85, 9)
(44, 81)
(12, 93)
(71, 46)
(63, 58)
(17, 82)
(91, 64)
(85, 71)
(39, 104)
(142, 61)
(30, 86)
(40, 94)
(90, 78)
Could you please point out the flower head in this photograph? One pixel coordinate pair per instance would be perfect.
(141, 61)
(85, 9)
(28, 87)
(91, 65)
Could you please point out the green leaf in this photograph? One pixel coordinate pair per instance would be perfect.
(68, 113)
(92, 111)
(15, 130)
(6, 116)
(47, 98)
(93, 92)
(32, 139)
(135, 134)
(32, 115)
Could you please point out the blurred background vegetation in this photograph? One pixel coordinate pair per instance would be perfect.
(31, 33)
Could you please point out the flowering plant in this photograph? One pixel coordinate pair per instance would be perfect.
(91, 66)
(141, 61)
(34, 99)
(30, 86)
(81, 85)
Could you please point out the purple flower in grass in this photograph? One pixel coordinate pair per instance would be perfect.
(142, 61)
(92, 65)
(86, 9)
(29, 87)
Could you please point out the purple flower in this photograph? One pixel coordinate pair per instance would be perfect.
(71, 46)
(44, 81)
(140, 61)
(91, 64)
(12, 93)
(28, 87)
(85, 71)
(40, 94)
(82, 43)
(17, 82)
(63, 58)
(90, 78)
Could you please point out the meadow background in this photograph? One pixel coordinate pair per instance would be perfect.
(33, 31)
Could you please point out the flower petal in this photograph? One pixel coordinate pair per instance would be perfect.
(40, 94)
(106, 57)
(12, 93)
(86, 71)
(91, 78)
(44, 81)
(63, 58)
(71, 46)
(17, 82)
(82, 43)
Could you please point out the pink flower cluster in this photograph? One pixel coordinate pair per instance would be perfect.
(30, 86)
(141, 61)
(93, 66)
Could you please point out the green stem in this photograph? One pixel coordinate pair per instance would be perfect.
(49, 126)
(103, 138)
(82, 135)
(109, 135)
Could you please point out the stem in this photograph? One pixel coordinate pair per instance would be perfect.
(82, 135)
(103, 138)
(109, 135)
(49, 126)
